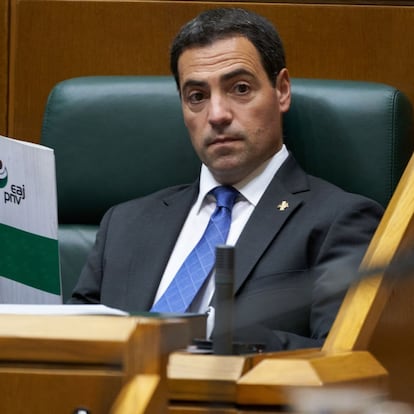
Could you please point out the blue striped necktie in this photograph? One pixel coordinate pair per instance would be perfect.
(199, 263)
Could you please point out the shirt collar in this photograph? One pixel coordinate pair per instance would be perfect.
(252, 187)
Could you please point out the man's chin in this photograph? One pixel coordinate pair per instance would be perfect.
(226, 171)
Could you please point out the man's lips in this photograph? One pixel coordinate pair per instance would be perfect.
(223, 140)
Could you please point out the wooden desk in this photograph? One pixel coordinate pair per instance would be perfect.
(57, 364)
(237, 384)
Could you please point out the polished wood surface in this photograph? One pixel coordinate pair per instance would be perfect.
(267, 382)
(57, 39)
(38, 391)
(272, 381)
(192, 377)
(143, 394)
(56, 364)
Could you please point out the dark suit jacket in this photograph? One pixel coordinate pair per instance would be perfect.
(293, 266)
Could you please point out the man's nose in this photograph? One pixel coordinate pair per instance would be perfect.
(219, 113)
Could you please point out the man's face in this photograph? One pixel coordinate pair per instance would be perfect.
(231, 109)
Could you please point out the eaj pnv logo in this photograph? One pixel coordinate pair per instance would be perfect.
(3, 175)
(17, 192)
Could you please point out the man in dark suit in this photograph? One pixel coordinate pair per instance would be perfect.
(298, 240)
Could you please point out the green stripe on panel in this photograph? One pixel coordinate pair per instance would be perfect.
(29, 259)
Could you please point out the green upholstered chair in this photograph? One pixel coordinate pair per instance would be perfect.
(120, 137)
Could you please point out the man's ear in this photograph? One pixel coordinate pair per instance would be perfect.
(283, 89)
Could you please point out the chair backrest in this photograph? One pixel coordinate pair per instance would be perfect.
(120, 137)
(357, 135)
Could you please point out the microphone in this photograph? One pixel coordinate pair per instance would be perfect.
(223, 320)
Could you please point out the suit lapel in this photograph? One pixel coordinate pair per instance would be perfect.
(280, 200)
(166, 222)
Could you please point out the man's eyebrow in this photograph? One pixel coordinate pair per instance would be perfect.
(193, 83)
(235, 73)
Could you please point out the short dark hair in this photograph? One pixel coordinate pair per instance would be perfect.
(222, 23)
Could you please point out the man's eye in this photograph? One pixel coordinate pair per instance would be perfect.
(195, 97)
(242, 88)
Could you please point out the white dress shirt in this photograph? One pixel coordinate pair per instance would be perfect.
(251, 190)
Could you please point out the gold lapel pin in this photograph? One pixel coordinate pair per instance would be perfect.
(283, 205)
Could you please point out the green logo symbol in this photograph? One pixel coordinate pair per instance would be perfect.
(3, 175)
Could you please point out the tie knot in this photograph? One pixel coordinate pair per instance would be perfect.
(225, 196)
